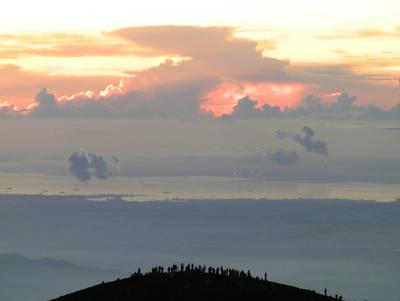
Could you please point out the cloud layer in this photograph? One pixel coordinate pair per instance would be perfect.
(344, 107)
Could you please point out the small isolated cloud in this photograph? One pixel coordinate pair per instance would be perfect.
(283, 157)
(87, 165)
(306, 139)
(310, 144)
(101, 170)
(79, 166)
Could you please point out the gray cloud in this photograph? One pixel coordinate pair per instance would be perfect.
(283, 157)
(46, 104)
(79, 166)
(310, 144)
(282, 134)
(306, 139)
(246, 108)
(181, 100)
(213, 52)
(344, 107)
(87, 165)
(101, 170)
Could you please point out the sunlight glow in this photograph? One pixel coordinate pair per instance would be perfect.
(222, 100)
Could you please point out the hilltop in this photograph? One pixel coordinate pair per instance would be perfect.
(194, 283)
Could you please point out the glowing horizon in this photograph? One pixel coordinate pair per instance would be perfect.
(73, 47)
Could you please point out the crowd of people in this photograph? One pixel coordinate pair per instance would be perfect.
(199, 269)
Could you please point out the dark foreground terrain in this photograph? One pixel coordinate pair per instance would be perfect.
(194, 283)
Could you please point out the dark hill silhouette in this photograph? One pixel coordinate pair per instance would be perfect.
(194, 283)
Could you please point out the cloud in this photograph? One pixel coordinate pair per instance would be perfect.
(19, 86)
(364, 33)
(67, 45)
(79, 166)
(306, 139)
(247, 108)
(210, 54)
(283, 157)
(87, 165)
(344, 107)
(213, 50)
(180, 101)
(310, 144)
(8, 110)
(101, 170)
(214, 72)
(282, 134)
(373, 79)
(46, 104)
(184, 101)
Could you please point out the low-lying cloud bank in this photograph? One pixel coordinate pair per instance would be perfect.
(184, 102)
(311, 106)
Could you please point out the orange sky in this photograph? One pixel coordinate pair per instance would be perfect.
(277, 61)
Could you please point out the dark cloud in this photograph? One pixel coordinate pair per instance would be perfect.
(306, 139)
(283, 157)
(79, 166)
(87, 165)
(101, 170)
(246, 108)
(344, 107)
(310, 144)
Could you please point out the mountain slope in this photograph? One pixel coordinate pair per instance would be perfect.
(193, 284)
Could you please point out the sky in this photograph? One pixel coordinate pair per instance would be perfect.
(276, 53)
(211, 100)
(279, 91)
